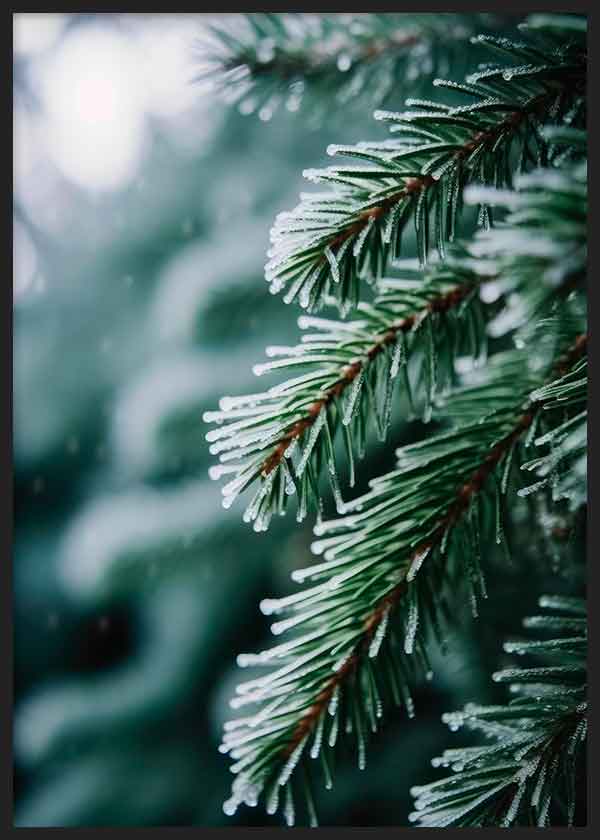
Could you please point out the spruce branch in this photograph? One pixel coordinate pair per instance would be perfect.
(346, 373)
(387, 567)
(528, 771)
(333, 239)
(263, 61)
(563, 465)
(542, 240)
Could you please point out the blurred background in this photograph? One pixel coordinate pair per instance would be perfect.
(142, 207)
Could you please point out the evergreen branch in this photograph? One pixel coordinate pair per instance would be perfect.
(347, 374)
(424, 515)
(261, 61)
(543, 239)
(563, 466)
(332, 239)
(538, 737)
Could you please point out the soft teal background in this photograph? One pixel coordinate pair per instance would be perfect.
(142, 209)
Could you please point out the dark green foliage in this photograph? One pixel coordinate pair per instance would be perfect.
(542, 240)
(345, 377)
(333, 239)
(527, 774)
(487, 337)
(382, 588)
(262, 62)
(563, 464)
(346, 372)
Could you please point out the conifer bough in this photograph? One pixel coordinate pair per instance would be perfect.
(352, 371)
(346, 372)
(332, 239)
(309, 62)
(401, 558)
(527, 774)
(413, 536)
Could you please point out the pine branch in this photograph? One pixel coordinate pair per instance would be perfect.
(543, 238)
(347, 375)
(563, 466)
(262, 61)
(413, 536)
(332, 239)
(538, 737)
(346, 372)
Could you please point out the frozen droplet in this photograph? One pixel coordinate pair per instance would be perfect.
(333, 732)
(293, 102)
(290, 487)
(265, 113)
(379, 635)
(344, 62)
(247, 106)
(416, 563)
(398, 355)
(291, 763)
(230, 806)
(353, 395)
(312, 439)
(273, 800)
(333, 702)
(291, 448)
(277, 285)
(278, 350)
(316, 745)
(216, 471)
(265, 51)
(268, 606)
(333, 264)
(454, 720)
(362, 237)
(279, 627)
(340, 505)
(362, 754)
(288, 810)
(245, 660)
(412, 623)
